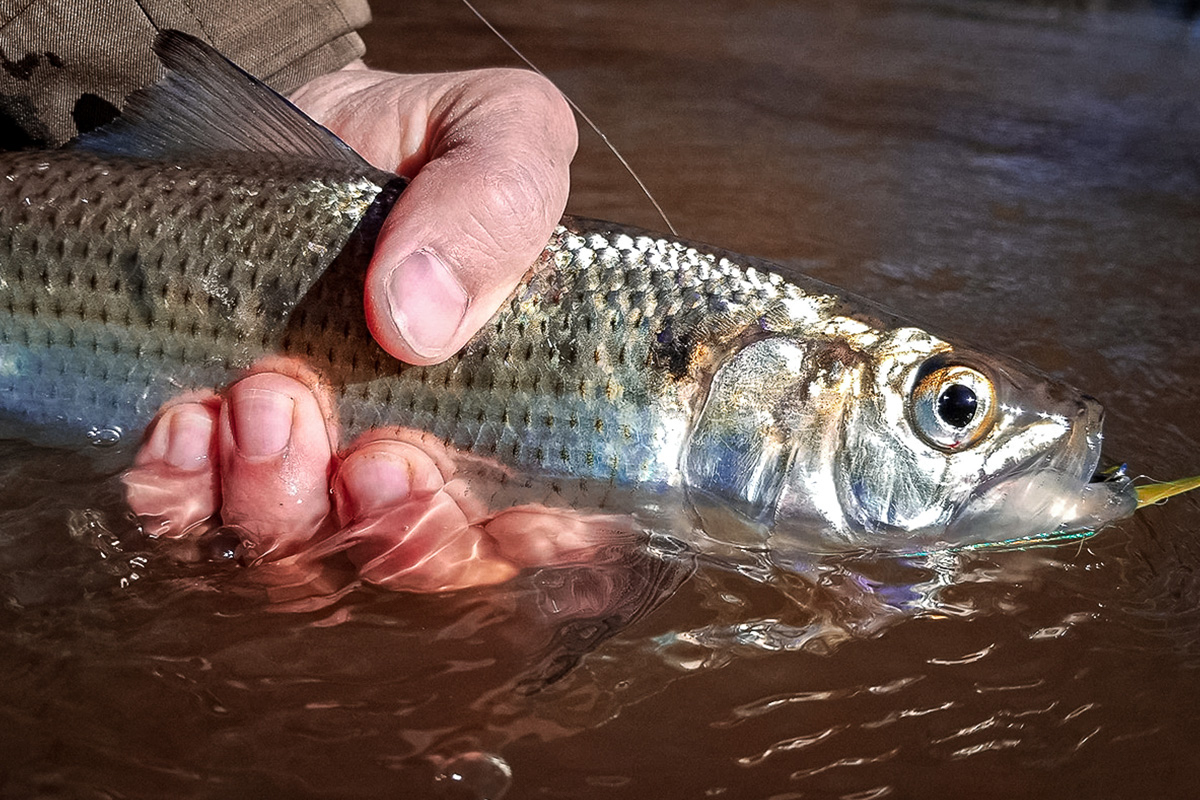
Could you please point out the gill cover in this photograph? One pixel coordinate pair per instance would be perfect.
(773, 404)
(740, 448)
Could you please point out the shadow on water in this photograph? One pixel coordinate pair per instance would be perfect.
(1026, 174)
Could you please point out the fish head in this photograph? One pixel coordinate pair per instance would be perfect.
(895, 440)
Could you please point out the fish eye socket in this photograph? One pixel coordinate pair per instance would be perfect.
(953, 407)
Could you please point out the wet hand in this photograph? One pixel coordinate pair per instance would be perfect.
(262, 460)
(487, 153)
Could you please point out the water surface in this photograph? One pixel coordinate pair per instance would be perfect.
(1026, 176)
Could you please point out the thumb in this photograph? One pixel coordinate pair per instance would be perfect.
(475, 216)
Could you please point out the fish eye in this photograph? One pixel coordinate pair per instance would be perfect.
(953, 406)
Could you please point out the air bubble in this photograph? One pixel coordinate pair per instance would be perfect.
(475, 775)
(104, 437)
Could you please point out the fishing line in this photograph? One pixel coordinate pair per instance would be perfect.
(582, 115)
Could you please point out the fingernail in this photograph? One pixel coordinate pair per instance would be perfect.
(261, 421)
(373, 482)
(189, 436)
(427, 302)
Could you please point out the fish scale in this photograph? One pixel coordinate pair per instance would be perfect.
(506, 394)
(147, 286)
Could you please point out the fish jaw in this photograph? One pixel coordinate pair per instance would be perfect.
(1048, 497)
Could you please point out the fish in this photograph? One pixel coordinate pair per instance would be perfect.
(698, 391)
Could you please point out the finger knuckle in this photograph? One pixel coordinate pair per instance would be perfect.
(529, 102)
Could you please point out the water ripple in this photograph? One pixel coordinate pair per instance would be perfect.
(969, 658)
(906, 713)
(995, 744)
(849, 761)
(776, 702)
(869, 794)
(794, 743)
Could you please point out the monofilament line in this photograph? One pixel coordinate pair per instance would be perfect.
(581, 114)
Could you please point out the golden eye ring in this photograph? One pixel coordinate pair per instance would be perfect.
(953, 407)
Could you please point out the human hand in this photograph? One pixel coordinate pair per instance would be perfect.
(488, 155)
(263, 456)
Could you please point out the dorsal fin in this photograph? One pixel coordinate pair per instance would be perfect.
(206, 105)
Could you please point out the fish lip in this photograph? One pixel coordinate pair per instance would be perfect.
(1092, 503)
(1084, 443)
(1103, 499)
(1088, 434)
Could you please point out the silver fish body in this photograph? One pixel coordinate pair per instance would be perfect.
(694, 388)
(625, 365)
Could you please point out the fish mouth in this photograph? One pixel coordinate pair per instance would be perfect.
(1103, 496)
(1049, 497)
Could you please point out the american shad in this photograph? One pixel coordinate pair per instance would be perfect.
(695, 390)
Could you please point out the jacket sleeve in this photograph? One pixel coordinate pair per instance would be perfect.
(68, 65)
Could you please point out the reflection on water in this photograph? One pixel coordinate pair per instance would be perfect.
(1024, 174)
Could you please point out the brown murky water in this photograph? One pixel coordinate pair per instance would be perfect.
(1025, 175)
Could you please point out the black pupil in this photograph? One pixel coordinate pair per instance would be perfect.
(956, 405)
